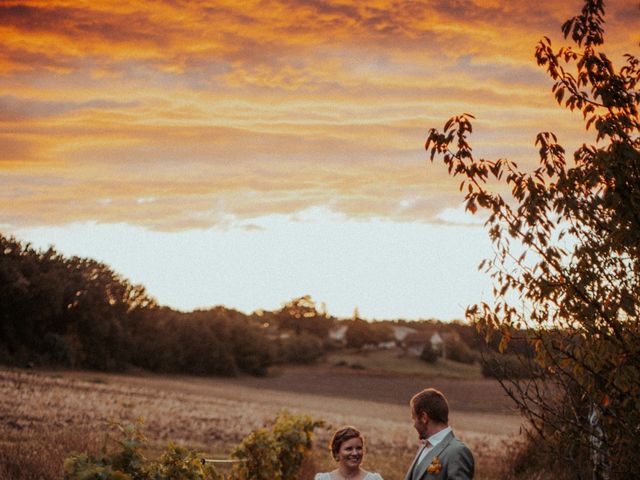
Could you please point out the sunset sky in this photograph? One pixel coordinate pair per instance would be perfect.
(243, 153)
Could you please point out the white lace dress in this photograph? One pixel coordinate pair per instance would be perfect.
(368, 476)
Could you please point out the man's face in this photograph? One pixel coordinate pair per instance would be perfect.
(420, 423)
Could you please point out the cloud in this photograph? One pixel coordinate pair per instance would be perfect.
(215, 112)
(16, 109)
(182, 36)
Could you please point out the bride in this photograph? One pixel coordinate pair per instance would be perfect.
(347, 448)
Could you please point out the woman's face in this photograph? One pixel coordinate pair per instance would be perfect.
(351, 453)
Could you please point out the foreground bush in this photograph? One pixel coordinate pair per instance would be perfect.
(127, 462)
(274, 453)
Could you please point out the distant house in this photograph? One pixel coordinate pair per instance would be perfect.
(415, 343)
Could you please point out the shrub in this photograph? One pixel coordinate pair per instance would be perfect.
(128, 462)
(275, 453)
(428, 354)
(458, 351)
(303, 348)
(183, 463)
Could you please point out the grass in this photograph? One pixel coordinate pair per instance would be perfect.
(394, 361)
(38, 456)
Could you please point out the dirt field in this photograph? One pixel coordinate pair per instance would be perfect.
(45, 414)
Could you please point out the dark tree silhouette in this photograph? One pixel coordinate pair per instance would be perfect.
(77, 312)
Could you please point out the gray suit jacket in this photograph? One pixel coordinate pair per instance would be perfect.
(454, 457)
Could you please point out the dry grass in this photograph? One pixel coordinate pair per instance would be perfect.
(46, 415)
(34, 456)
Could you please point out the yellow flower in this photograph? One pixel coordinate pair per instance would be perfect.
(435, 466)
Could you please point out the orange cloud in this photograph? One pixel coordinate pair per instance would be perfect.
(183, 114)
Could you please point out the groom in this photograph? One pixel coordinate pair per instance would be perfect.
(443, 456)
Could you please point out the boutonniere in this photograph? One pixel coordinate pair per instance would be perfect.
(435, 466)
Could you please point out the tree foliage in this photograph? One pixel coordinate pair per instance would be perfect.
(304, 348)
(301, 315)
(567, 245)
(276, 452)
(458, 351)
(361, 333)
(428, 354)
(77, 312)
(68, 310)
(127, 462)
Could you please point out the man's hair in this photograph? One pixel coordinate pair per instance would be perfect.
(433, 403)
(343, 435)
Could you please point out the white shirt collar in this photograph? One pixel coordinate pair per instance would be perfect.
(436, 438)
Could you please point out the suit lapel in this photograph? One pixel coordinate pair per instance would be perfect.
(420, 469)
(409, 474)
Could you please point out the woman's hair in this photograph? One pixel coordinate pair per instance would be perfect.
(342, 435)
(433, 403)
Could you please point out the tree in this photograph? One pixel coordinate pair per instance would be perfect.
(428, 354)
(303, 348)
(301, 315)
(361, 333)
(71, 311)
(567, 244)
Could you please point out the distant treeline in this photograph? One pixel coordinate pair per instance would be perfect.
(77, 312)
